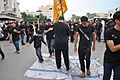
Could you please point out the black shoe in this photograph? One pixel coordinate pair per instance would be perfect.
(18, 52)
(23, 43)
(59, 68)
(41, 61)
(67, 69)
(10, 42)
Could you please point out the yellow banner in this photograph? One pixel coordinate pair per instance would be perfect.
(59, 8)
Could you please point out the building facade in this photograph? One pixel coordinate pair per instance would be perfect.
(9, 9)
(46, 11)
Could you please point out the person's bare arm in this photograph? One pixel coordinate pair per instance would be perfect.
(94, 40)
(75, 41)
(50, 29)
(111, 46)
(8, 36)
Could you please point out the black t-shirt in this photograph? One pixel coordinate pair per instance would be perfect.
(72, 27)
(62, 31)
(42, 28)
(83, 42)
(50, 34)
(31, 28)
(37, 41)
(98, 27)
(112, 57)
(21, 28)
(9, 28)
(76, 25)
(15, 36)
(26, 28)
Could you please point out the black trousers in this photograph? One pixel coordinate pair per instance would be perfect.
(72, 36)
(2, 54)
(84, 54)
(99, 37)
(65, 56)
(27, 36)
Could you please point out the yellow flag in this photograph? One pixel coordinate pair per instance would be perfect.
(59, 8)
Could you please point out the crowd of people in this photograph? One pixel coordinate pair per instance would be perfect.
(58, 35)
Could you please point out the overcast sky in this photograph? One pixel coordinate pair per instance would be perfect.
(78, 7)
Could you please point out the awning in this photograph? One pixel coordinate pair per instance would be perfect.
(5, 17)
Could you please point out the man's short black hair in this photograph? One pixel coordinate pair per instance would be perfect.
(116, 15)
(31, 22)
(84, 18)
(61, 18)
(21, 22)
(48, 20)
(38, 32)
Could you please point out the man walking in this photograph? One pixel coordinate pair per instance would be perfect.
(62, 32)
(87, 34)
(112, 53)
(98, 28)
(15, 31)
(22, 34)
(49, 36)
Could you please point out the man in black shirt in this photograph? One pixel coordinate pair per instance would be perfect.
(15, 31)
(112, 53)
(22, 34)
(42, 28)
(9, 28)
(62, 33)
(49, 36)
(87, 35)
(71, 24)
(31, 29)
(27, 31)
(98, 28)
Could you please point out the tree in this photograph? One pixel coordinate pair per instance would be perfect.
(75, 18)
(78, 18)
(28, 17)
(41, 17)
(91, 15)
(24, 15)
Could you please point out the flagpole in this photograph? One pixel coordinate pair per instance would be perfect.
(62, 8)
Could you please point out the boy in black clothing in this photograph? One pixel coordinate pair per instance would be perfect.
(37, 44)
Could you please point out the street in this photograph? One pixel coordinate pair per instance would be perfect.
(14, 65)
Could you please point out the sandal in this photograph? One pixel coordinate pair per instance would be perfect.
(88, 72)
(82, 75)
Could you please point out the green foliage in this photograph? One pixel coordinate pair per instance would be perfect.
(42, 17)
(24, 15)
(75, 18)
(90, 16)
(28, 17)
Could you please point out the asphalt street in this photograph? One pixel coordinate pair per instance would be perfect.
(14, 65)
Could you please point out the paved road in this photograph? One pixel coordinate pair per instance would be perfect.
(15, 65)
